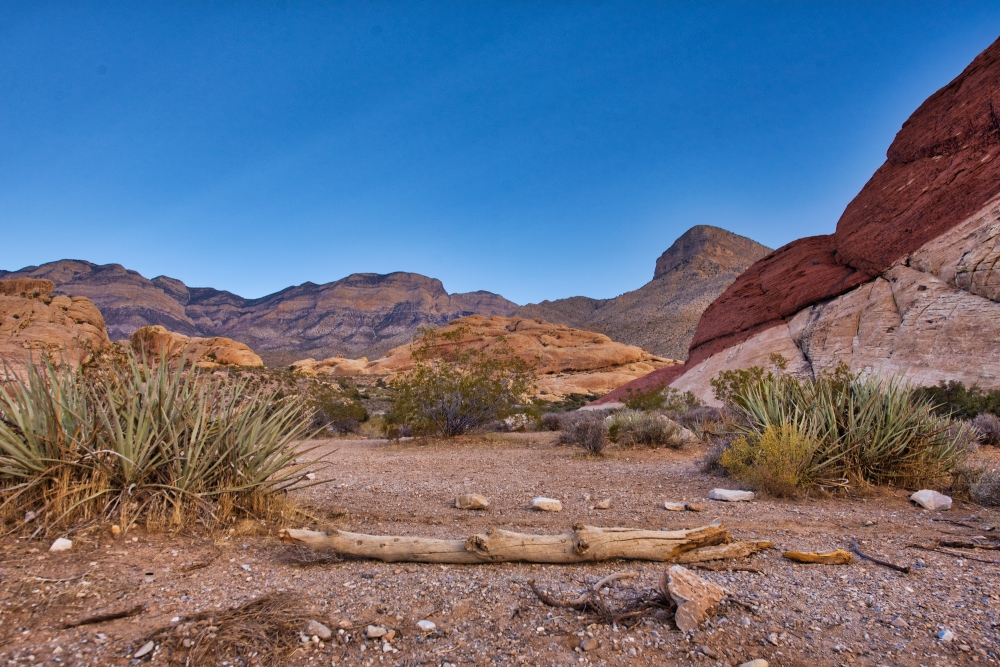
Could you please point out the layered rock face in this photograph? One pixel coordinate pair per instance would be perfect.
(363, 314)
(568, 361)
(156, 342)
(661, 316)
(34, 323)
(906, 285)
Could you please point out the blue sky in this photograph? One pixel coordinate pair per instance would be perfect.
(538, 150)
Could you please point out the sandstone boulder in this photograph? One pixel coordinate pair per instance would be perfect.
(34, 323)
(696, 598)
(154, 341)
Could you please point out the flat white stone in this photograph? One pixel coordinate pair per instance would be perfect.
(426, 626)
(730, 495)
(546, 504)
(931, 500)
(674, 507)
(61, 544)
(144, 650)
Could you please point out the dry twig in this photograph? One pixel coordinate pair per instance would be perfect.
(905, 569)
(952, 553)
(101, 618)
(727, 568)
(62, 581)
(302, 556)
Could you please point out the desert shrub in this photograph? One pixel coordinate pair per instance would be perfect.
(711, 461)
(704, 420)
(629, 428)
(661, 397)
(551, 422)
(569, 403)
(985, 489)
(340, 410)
(987, 429)
(136, 440)
(778, 461)
(866, 430)
(955, 399)
(454, 389)
(589, 432)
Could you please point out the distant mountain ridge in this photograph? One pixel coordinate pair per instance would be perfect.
(661, 316)
(364, 314)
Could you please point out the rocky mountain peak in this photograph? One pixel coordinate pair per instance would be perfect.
(731, 252)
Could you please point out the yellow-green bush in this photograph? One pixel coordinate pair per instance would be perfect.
(777, 461)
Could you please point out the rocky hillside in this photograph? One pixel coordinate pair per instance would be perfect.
(568, 361)
(33, 323)
(907, 284)
(364, 314)
(661, 316)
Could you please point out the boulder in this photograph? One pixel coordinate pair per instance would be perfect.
(471, 501)
(931, 500)
(905, 285)
(34, 323)
(696, 598)
(154, 341)
(730, 496)
(546, 505)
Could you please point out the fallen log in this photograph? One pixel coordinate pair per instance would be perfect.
(584, 544)
(723, 551)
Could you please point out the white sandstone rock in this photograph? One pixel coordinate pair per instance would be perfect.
(546, 504)
(730, 495)
(931, 500)
(61, 544)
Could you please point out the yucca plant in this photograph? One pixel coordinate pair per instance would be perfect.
(864, 429)
(139, 438)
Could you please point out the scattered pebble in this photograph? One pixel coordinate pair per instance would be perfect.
(375, 631)
(590, 644)
(945, 636)
(144, 650)
(426, 626)
(318, 629)
(546, 504)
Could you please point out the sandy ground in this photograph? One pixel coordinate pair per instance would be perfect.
(861, 614)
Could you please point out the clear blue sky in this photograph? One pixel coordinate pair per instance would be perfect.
(538, 150)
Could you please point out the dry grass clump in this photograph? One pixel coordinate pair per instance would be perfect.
(137, 441)
(985, 490)
(264, 631)
(631, 428)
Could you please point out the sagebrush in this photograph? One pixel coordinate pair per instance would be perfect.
(630, 428)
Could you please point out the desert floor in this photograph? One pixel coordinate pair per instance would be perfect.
(859, 614)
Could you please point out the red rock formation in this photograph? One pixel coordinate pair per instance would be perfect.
(941, 172)
(154, 341)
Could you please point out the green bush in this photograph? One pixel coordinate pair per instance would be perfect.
(778, 461)
(865, 430)
(338, 410)
(454, 389)
(661, 397)
(955, 399)
(630, 428)
(135, 440)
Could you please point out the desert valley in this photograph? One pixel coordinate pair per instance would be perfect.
(784, 457)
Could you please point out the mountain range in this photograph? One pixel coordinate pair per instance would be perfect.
(367, 314)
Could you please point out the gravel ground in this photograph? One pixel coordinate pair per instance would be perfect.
(861, 614)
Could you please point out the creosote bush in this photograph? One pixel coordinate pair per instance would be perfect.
(839, 428)
(135, 441)
(455, 388)
(630, 428)
(778, 461)
(588, 431)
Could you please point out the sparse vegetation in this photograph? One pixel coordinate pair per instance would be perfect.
(454, 389)
(838, 429)
(956, 400)
(987, 429)
(630, 428)
(339, 408)
(588, 431)
(135, 441)
(661, 397)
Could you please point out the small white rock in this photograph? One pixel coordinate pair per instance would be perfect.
(546, 504)
(386, 647)
(61, 544)
(946, 636)
(759, 662)
(931, 500)
(603, 505)
(730, 495)
(674, 507)
(311, 475)
(319, 630)
(144, 650)
(426, 626)
(375, 631)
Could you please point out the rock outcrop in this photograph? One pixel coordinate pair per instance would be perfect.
(568, 361)
(156, 342)
(364, 314)
(661, 316)
(906, 285)
(34, 323)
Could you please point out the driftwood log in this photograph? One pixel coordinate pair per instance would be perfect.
(584, 544)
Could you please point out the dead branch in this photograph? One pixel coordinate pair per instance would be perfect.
(101, 618)
(959, 544)
(905, 569)
(952, 553)
(722, 567)
(581, 602)
(584, 544)
(724, 551)
(62, 581)
(956, 522)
